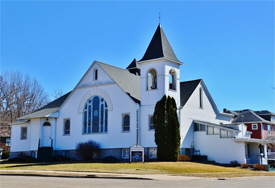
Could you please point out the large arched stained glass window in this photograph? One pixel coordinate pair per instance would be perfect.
(95, 116)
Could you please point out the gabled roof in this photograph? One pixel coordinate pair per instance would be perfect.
(159, 47)
(129, 83)
(48, 109)
(264, 113)
(134, 67)
(248, 116)
(186, 90)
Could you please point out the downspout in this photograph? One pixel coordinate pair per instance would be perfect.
(179, 117)
(55, 128)
(138, 120)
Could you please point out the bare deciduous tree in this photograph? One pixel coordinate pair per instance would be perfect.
(19, 96)
(57, 93)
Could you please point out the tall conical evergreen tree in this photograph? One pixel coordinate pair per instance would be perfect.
(160, 127)
(173, 132)
(167, 135)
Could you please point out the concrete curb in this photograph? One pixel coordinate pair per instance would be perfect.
(66, 174)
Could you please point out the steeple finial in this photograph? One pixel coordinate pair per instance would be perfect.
(159, 17)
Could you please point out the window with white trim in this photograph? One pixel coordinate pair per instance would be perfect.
(226, 133)
(268, 130)
(213, 130)
(23, 133)
(95, 116)
(200, 98)
(125, 153)
(254, 126)
(151, 122)
(95, 74)
(125, 122)
(67, 124)
(152, 152)
(199, 127)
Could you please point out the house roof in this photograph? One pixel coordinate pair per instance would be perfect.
(129, 83)
(5, 133)
(247, 116)
(159, 47)
(186, 90)
(48, 109)
(264, 113)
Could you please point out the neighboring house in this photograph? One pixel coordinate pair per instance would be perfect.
(261, 124)
(5, 140)
(114, 107)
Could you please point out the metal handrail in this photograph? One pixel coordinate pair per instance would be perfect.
(39, 143)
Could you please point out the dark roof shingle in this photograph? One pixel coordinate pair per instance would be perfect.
(186, 90)
(47, 109)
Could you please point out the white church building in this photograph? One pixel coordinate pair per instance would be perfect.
(114, 107)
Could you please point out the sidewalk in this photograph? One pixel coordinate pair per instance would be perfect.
(96, 175)
(114, 175)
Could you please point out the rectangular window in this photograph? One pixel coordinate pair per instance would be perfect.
(65, 153)
(229, 134)
(210, 130)
(202, 127)
(23, 133)
(125, 153)
(152, 152)
(125, 122)
(151, 122)
(226, 133)
(223, 133)
(67, 126)
(199, 127)
(201, 102)
(216, 130)
(8, 142)
(254, 126)
(196, 127)
(268, 130)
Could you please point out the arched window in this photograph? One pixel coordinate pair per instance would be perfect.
(152, 79)
(95, 74)
(172, 79)
(126, 122)
(67, 127)
(95, 116)
(46, 124)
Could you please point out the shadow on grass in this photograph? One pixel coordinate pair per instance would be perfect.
(22, 164)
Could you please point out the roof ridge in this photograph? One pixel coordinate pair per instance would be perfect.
(191, 81)
(112, 66)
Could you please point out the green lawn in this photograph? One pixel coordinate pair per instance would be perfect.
(172, 168)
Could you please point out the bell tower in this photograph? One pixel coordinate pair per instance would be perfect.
(159, 71)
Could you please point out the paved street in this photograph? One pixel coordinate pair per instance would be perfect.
(47, 182)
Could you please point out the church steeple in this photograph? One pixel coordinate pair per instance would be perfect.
(159, 47)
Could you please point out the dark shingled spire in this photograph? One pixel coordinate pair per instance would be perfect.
(159, 47)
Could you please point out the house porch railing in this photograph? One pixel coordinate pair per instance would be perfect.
(270, 155)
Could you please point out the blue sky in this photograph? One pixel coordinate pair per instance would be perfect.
(229, 44)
